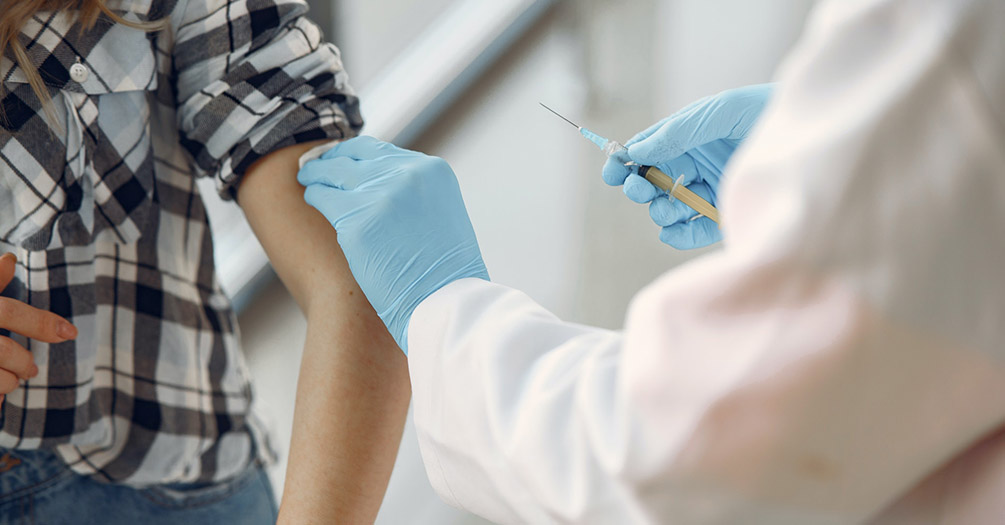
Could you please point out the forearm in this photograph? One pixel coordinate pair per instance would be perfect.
(353, 389)
(352, 398)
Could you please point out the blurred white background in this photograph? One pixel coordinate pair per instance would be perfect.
(545, 221)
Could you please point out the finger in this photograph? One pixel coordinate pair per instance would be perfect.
(8, 382)
(15, 358)
(647, 132)
(665, 212)
(660, 137)
(704, 191)
(363, 147)
(7, 267)
(683, 131)
(615, 172)
(318, 196)
(744, 106)
(338, 172)
(652, 129)
(332, 203)
(34, 323)
(639, 190)
(692, 234)
(712, 157)
(670, 141)
(728, 115)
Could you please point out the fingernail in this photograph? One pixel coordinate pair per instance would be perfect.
(66, 330)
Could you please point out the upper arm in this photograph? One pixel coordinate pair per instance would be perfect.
(301, 244)
(255, 85)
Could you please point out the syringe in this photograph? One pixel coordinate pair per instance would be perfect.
(661, 180)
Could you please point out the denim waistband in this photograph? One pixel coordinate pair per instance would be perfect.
(24, 471)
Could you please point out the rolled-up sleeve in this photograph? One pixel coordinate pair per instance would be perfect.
(253, 76)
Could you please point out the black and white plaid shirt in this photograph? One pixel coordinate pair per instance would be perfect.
(110, 232)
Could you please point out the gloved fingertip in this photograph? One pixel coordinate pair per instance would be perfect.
(635, 139)
(332, 153)
(677, 237)
(639, 190)
(315, 194)
(689, 235)
(362, 147)
(663, 212)
(706, 232)
(309, 174)
(614, 173)
(338, 150)
(324, 171)
(646, 151)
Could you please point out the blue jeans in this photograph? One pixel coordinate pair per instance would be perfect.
(41, 489)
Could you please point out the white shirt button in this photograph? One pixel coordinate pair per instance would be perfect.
(79, 72)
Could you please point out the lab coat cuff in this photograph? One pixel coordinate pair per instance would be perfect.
(426, 322)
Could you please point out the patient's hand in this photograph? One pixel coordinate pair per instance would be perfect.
(15, 361)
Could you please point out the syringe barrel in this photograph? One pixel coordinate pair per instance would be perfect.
(666, 183)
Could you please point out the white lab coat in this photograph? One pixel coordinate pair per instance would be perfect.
(840, 360)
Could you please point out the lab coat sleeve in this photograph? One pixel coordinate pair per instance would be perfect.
(844, 344)
(540, 372)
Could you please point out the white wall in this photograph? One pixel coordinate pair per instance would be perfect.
(371, 33)
(710, 45)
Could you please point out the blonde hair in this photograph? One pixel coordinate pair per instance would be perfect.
(17, 13)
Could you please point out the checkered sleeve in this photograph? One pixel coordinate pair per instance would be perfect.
(253, 76)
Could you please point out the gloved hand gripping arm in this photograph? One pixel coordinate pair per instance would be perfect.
(400, 221)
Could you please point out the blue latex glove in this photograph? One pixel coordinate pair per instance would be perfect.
(696, 142)
(401, 223)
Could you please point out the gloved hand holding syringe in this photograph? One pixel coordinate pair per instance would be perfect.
(674, 188)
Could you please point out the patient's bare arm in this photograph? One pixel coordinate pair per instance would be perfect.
(353, 390)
